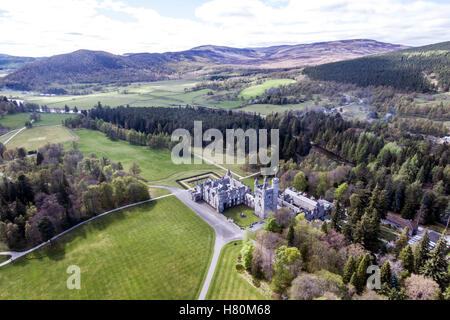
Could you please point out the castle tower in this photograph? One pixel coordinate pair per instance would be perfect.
(275, 188)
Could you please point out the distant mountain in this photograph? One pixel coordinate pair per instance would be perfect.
(84, 66)
(9, 63)
(419, 69)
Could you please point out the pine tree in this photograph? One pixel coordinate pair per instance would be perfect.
(421, 252)
(337, 216)
(349, 270)
(435, 266)
(407, 258)
(361, 274)
(386, 273)
(290, 235)
(402, 241)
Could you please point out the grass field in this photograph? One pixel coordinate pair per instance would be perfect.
(157, 192)
(156, 165)
(227, 283)
(17, 120)
(159, 250)
(34, 138)
(257, 90)
(4, 258)
(235, 214)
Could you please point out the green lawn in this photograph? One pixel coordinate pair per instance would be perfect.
(227, 283)
(157, 192)
(159, 250)
(17, 120)
(235, 214)
(4, 258)
(259, 89)
(156, 165)
(34, 138)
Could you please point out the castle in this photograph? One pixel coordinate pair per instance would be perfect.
(228, 192)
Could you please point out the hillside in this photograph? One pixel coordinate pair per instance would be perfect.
(84, 66)
(9, 63)
(419, 69)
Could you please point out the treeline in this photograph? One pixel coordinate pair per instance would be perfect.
(43, 195)
(403, 69)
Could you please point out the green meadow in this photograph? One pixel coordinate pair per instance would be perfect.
(159, 250)
(156, 165)
(34, 138)
(259, 89)
(17, 120)
(227, 283)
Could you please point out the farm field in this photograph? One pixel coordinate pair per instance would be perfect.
(156, 165)
(227, 283)
(259, 89)
(160, 93)
(34, 138)
(160, 250)
(235, 214)
(17, 120)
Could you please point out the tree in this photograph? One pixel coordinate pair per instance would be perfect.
(435, 267)
(361, 274)
(286, 265)
(421, 252)
(421, 288)
(290, 235)
(341, 191)
(247, 254)
(402, 241)
(337, 216)
(46, 228)
(39, 158)
(349, 270)
(386, 273)
(300, 181)
(135, 169)
(407, 258)
(272, 226)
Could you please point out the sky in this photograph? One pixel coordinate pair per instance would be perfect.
(49, 27)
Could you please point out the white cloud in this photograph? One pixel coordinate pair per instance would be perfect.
(56, 26)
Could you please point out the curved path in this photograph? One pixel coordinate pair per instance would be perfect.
(16, 255)
(225, 231)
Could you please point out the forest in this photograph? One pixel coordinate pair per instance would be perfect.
(409, 69)
(45, 194)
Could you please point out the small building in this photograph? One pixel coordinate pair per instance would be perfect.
(400, 223)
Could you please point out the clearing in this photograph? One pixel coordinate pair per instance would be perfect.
(34, 138)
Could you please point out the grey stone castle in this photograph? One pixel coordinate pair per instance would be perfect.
(228, 192)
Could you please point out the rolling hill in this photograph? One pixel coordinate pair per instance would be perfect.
(84, 66)
(420, 69)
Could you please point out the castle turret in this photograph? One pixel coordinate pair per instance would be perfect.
(275, 182)
(229, 173)
(256, 184)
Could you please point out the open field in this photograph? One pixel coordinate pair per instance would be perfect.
(227, 283)
(17, 120)
(235, 214)
(160, 93)
(259, 89)
(156, 165)
(34, 138)
(160, 250)
(157, 192)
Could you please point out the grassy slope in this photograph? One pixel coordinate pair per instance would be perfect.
(227, 283)
(34, 138)
(156, 165)
(160, 250)
(259, 89)
(17, 120)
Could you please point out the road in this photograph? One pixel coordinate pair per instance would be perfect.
(225, 231)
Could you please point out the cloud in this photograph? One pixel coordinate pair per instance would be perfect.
(52, 26)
